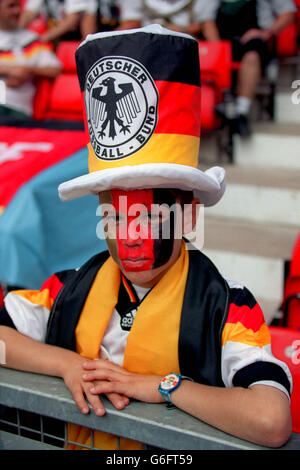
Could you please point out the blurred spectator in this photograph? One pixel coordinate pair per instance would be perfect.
(22, 59)
(102, 15)
(252, 26)
(195, 17)
(64, 17)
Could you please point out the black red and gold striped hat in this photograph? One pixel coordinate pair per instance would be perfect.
(142, 99)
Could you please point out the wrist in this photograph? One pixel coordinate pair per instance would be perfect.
(170, 384)
(66, 360)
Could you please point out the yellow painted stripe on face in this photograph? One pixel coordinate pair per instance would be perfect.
(161, 148)
(1, 209)
(238, 333)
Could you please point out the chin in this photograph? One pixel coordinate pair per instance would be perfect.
(142, 278)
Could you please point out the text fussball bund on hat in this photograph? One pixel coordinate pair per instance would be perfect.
(142, 100)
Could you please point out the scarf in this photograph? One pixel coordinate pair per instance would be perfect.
(152, 343)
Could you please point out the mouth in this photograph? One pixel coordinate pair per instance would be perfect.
(137, 264)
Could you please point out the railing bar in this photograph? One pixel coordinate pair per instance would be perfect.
(79, 444)
(18, 422)
(35, 431)
(8, 422)
(92, 438)
(66, 436)
(42, 428)
(53, 436)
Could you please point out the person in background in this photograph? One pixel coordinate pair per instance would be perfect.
(101, 15)
(194, 17)
(152, 318)
(23, 58)
(252, 27)
(64, 18)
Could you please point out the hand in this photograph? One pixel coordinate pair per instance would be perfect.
(81, 389)
(17, 75)
(255, 34)
(45, 37)
(174, 27)
(110, 378)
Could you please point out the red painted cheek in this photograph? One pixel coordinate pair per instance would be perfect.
(135, 252)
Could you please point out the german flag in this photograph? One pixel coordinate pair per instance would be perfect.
(142, 90)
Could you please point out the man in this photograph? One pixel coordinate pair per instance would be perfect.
(22, 60)
(161, 321)
(252, 26)
(64, 18)
(195, 17)
(101, 15)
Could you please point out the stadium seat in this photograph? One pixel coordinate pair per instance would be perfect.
(41, 98)
(66, 53)
(297, 3)
(1, 297)
(215, 67)
(215, 63)
(291, 299)
(61, 99)
(286, 44)
(286, 347)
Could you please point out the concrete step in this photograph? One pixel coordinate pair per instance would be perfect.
(260, 195)
(287, 104)
(252, 254)
(272, 145)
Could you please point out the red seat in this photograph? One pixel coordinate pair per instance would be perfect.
(286, 347)
(291, 299)
(215, 62)
(286, 44)
(297, 3)
(215, 67)
(208, 103)
(66, 53)
(1, 297)
(61, 99)
(65, 99)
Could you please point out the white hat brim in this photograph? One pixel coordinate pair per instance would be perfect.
(208, 186)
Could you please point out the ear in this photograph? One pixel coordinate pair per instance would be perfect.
(190, 215)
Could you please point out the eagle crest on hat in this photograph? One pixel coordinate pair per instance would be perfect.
(114, 107)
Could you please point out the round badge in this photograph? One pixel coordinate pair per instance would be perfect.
(121, 104)
(170, 381)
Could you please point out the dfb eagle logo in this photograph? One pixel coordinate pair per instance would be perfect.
(121, 104)
(113, 106)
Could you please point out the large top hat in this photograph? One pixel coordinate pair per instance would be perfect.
(142, 100)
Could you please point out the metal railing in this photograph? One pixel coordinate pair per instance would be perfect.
(34, 410)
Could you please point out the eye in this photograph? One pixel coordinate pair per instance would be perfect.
(113, 218)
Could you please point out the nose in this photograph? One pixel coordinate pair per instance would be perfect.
(133, 236)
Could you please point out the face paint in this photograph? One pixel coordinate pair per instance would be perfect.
(144, 228)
